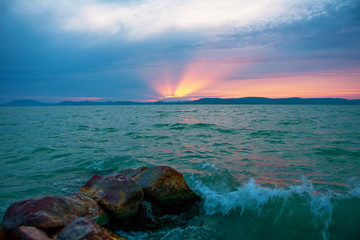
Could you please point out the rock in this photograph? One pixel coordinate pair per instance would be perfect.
(119, 194)
(146, 218)
(3, 236)
(28, 233)
(50, 213)
(82, 228)
(165, 186)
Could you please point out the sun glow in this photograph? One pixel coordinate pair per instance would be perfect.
(201, 79)
(188, 85)
(320, 84)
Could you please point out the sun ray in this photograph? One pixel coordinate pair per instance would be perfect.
(196, 76)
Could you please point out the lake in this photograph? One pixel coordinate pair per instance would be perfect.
(263, 171)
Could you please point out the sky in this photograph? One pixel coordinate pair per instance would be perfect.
(150, 50)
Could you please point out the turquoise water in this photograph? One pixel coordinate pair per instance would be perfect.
(264, 171)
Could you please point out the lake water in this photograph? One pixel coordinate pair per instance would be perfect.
(264, 171)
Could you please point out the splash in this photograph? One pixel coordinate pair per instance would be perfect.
(279, 204)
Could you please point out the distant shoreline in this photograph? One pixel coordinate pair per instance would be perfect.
(202, 101)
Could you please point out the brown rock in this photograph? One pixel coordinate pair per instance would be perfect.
(119, 194)
(82, 228)
(50, 212)
(165, 186)
(3, 236)
(28, 233)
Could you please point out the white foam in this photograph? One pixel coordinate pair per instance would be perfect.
(248, 196)
(355, 192)
(137, 235)
(251, 196)
(185, 232)
(354, 186)
(97, 166)
(206, 165)
(188, 232)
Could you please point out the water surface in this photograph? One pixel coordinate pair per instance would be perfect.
(264, 171)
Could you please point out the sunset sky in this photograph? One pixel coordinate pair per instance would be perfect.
(148, 50)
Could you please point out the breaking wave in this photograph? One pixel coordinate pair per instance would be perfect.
(278, 205)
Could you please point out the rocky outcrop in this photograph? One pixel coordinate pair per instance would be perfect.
(120, 195)
(135, 199)
(53, 212)
(164, 186)
(82, 228)
(28, 233)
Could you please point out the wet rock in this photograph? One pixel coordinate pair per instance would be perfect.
(119, 194)
(52, 212)
(164, 186)
(28, 233)
(146, 218)
(82, 228)
(3, 236)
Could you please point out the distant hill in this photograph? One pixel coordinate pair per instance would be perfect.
(246, 100)
(260, 100)
(26, 102)
(84, 103)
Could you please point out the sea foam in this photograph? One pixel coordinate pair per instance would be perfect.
(281, 203)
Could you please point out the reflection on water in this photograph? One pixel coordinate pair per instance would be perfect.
(247, 161)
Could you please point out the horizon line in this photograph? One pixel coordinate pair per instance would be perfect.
(205, 100)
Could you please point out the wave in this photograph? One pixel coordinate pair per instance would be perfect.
(178, 126)
(160, 125)
(185, 232)
(110, 164)
(206, 165)
(203, 125)
(293, 122)
(336, 151)
(43, 149)
(64, 155)
(268, 133)
(354, 186)
(197, 126)
(83, 127)
(190, 232)
(317, 210)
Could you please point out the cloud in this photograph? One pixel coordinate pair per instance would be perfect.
(87, 48)
(141, 19)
